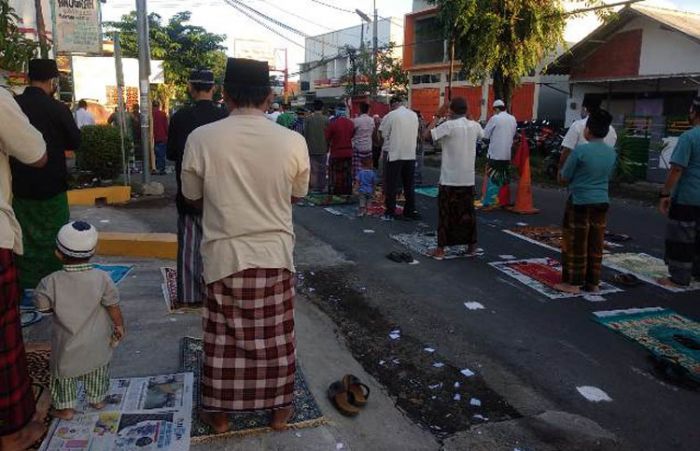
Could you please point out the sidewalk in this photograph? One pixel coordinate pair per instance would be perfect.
(152, 347)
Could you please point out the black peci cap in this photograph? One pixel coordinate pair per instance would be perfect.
(202, 76)
(42, 69)
(247, 72)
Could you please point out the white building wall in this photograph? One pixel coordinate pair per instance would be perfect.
(665, 51)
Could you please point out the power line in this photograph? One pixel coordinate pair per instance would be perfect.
(296, 15)
(263, 24)
(334, 7)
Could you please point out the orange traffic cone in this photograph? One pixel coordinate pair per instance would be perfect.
(523, 200)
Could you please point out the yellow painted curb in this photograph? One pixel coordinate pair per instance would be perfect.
(110, 194)
(149, 245)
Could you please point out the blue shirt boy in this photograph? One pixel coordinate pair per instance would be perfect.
(366, 179)
(588, 170)
(687, 155)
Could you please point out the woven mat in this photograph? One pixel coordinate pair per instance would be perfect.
(38, 359)
(549, 237)
(374, 209)
(670, 337)
(306, 411)
(319, 200)
(424, 243)
(644, 267)
(541, 274)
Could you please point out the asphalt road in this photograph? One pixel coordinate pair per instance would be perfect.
(533, 350)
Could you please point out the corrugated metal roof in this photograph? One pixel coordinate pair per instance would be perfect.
(685, 22)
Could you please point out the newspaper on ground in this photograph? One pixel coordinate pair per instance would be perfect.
(144, 413)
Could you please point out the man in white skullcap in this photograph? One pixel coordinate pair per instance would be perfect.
(87, 321)
(499, 130)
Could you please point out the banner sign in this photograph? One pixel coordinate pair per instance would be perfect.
(77, 26)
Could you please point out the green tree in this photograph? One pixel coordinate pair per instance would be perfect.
(505, 39)
(390, 74)
(15, 49)
(180, 45)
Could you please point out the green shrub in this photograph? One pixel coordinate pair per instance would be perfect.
(100, 151)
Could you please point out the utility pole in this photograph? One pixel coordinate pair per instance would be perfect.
(286, 78)
(144, 86)
(120, 104)
(375, 52)
(452, 68)
(41, 29)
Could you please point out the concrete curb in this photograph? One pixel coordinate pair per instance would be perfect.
(148, 245)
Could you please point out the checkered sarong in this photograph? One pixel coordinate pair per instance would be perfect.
(16, 398)
(249, 345)
(190, 284)
(583, 235)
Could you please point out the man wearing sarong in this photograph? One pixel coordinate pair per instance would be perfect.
(40, 200)
(246, 172)
(315, 126)
(456, 217)
(587, 172)
(190, 284)
(680, 201)
(20, 422)
(339, 136)
(499, 130)
(362, 138)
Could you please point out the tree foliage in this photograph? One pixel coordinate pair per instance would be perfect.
(390, 76)
(100, 151)
(180, 45)
(505, 39)
(15, 49)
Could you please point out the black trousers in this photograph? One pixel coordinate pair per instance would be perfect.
(400, 171)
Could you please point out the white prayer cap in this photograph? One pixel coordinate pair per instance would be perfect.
(499, 103)
(77, 239)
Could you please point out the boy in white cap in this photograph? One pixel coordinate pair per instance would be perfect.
(88, 322)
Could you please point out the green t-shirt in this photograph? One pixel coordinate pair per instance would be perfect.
(687, 155)
(286, 119)
(588, 170)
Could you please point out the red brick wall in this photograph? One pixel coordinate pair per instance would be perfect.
(618, 57)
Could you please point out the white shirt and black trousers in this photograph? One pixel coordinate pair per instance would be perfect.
(399, 130)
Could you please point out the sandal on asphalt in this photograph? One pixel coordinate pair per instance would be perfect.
(406, 257)
(395, 257)
(359, 392)
(338, 395)
(628, 280)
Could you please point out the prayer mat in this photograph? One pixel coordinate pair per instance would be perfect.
(671, 338)
(429, 191)
(322, 200)
(424, 243)
(38, 360)
(306, 411)
(644, 267)
(375, 209)
(542, 274)
(116, 272)
(169, 287)
(549, 237)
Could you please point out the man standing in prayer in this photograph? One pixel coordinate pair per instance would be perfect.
(499, 130)
(339, 136)
(456, 217)
(362, 138)
(246, 172)
(680, 201)
(587, 172)
(190, 284)
(82, 116)
(40, 201)
(275, 112)
(21, 420)
(399, 130)
(575, 135)
(160, 136)
(315, 133)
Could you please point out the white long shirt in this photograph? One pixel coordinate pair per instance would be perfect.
(575, 136)
(500, 130)
(400, 129)
(458, 139)
(83, 117)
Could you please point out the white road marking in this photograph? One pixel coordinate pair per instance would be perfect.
(474, 305)
(593, 394)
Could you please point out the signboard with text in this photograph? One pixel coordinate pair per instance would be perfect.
(77, 27)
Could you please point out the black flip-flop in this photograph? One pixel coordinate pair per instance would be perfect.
(407, 257)
(395, 257)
